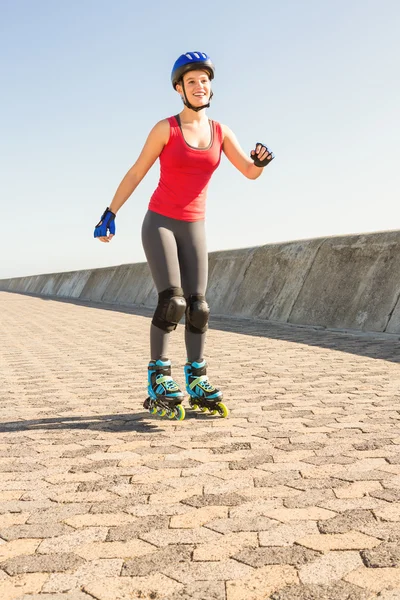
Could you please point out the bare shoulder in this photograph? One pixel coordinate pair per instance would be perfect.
(161, 131)
(226, 131)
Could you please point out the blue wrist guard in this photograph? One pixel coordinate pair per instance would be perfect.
(105, 224)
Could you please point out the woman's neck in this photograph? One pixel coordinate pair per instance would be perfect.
(191, 116)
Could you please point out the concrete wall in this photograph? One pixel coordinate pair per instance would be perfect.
(350, 282)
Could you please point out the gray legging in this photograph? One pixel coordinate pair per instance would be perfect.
(176, 252)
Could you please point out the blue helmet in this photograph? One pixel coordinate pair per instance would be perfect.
(191, 61)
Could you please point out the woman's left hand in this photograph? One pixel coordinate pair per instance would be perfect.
(261, 155)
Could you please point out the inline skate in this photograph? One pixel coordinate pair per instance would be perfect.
(165, 397)
(202, 394)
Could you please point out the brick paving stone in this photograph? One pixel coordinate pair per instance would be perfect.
(34, 531)
(214, 500)
(281, 477)
(386, 554)
(7, 520)
(226, 547)
(297, 514)
(276, 555)
(202, 590)
(339, 590)
(347, 521)
(231, 448)
(287, 534)
(99, 520)
(250, 462)
(166, 537)
(376, 580)
(35, 563)
(154, 587)
(175, 496)
(262, 582)
(363, 475)
(70, 541)
(329, 460)
(317, 484)
(309, 498)
(393, 459)
(87, 573)
(386, 494)
(387, 531)
(390, 595)
(340, 505)
(17, 548)
(198, 517)
(15, 587)
(392, 483)
(157, 560)
(10, 495)
(374, 444)
(72, 596)
(390, 512)
(329, 567)
(124, 533)
(121, 505)
(188, 572)
(280, 491)
(254, 508)
(351, 540)
(358, 489)
(146, 510)
(105, 550)
(231, 525)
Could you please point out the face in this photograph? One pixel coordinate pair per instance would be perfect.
(197, 87)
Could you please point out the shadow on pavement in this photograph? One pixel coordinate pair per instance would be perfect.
(119, 423)
(369, 344)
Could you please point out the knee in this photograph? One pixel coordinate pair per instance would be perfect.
(170, 309)
(197, 313)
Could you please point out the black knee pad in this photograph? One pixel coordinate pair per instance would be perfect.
(170, 309)
(197, 313)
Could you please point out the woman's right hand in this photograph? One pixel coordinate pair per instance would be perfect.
(106, 223)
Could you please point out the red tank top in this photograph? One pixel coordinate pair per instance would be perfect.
(184, 174)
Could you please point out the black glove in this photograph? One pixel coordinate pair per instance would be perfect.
(261, 155)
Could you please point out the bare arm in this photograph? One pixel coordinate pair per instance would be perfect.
(235, 154)
(152, 149)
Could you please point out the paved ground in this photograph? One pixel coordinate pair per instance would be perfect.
(295, 496)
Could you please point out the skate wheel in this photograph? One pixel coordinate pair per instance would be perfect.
(171, 414)
(179, 412)
(203, 409)
(213, 411)
(162, 412)
(194, 406)
(222, 409)
(153, 411)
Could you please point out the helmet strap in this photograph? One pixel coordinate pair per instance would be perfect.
(187, 103)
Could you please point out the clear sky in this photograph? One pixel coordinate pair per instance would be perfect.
(84, 81)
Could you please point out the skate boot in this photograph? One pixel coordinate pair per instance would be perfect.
(165, 397)
(202, 394)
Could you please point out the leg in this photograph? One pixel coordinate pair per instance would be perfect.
(160, 248)
(193, 259)
(161, 251)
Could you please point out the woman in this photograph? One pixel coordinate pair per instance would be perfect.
(189, 147)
